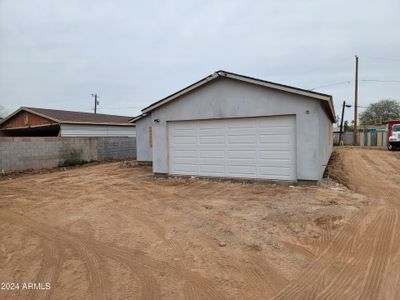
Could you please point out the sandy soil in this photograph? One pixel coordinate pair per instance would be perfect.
(110, 231)
(362, 261)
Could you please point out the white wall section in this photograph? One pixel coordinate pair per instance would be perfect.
(97, 130)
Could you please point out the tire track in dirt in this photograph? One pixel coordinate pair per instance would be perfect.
(50, 269)
(380, 257)
(319, 267)
(254, 272)
(142, 266)
(195, 286)
(257, 273)
(364, 246)
(356, 268)
(98, 285)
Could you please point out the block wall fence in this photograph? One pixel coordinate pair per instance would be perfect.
(23, 153)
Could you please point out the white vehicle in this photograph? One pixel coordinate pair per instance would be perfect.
(394, 138)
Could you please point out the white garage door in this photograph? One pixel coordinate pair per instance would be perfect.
(247, 148)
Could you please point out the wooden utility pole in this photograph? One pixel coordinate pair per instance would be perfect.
(355, 103)
(95, 102)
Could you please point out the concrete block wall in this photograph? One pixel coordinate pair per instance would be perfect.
(115, 148)
(22, 153)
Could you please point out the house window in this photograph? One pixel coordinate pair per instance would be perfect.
(150, 137)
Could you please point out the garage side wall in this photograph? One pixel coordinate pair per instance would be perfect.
(226, 98)
(325, 139)
(144, 151)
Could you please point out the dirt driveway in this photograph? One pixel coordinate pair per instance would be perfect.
(111, 232)
(363, 259)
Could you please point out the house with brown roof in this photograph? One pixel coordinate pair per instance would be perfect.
(31, 121)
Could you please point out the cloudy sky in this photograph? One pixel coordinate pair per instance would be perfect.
(54, 54)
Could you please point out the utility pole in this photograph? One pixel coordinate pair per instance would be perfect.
(96, 102)
(341, 121)
(355, 103)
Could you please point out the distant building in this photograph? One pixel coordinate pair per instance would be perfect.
(31, 121)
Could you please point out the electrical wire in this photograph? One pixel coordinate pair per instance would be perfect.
(331, 84)
(378, 80)
(382, 58)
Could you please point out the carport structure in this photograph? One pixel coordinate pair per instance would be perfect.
(31, 121)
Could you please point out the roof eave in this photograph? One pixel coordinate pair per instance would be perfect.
(276, 86)
(138, 118)
(97, 123)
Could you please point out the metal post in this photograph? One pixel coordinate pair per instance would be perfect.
(341, 123)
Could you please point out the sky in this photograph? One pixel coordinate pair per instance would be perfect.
(55, 54)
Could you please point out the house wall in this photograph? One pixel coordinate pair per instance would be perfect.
(24, 119)
(144, 151)
(96, 130)
(227, 98)
(22, 153)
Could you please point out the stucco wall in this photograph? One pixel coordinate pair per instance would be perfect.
(22, 153)
(144, 151)
(325, 139)
(226, 98)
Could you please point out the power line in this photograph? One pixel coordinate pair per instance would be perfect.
(382, 58)
(378, 80)
(331, 84)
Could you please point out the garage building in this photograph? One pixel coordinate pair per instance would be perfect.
(230, 125)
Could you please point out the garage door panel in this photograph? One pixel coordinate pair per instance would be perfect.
(250, 148)
(276, 162)
(211, 132)
(269, 170)
(212, 169)
(186, 168)
(185, 154)
(275, 138)
(240, 131)
(210, 161)
(276, 154)
(238, 161)
(212, 140)
(242, 170)
(190, 140)
(242, 139)
(242, 154)
(185, 133)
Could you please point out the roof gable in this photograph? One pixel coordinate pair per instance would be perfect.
(71, 117)
(326, 99)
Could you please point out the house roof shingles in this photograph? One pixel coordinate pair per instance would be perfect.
(73, 117)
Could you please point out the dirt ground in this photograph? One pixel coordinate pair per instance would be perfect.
(113, 231)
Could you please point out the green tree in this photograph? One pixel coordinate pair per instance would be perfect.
(385, 110)
(348, 126)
